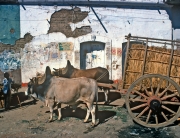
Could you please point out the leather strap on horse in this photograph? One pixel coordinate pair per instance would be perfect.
(100, 77)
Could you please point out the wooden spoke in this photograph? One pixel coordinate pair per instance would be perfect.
(159, 84)
(145, 109)
(165, 90)
(141, 94)
(156, 118)
(169, 96)
(146, 90)
(139, 106)
(147, 119)
(173, 103)
(137, 100)
(138, 103)
(151, 85)
(164, 116)
(164, 107)
(135, 95)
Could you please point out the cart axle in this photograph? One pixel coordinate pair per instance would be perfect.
(154, 103)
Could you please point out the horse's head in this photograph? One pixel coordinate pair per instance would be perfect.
(61, 72)
(64, 72)
(55, 72)
(38, 74)
(31, 87)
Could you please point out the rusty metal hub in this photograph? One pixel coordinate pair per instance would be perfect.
(154, 103)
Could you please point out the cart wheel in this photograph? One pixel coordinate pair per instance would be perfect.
(153, 101)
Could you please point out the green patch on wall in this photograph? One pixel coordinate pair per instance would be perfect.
(9, 23)
(65, 46)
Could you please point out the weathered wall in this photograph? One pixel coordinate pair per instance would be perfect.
(54, 27)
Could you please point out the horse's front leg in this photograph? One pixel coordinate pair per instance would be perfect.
(50, 103)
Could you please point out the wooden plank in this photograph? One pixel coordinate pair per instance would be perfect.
(105, 85)
(126, 58)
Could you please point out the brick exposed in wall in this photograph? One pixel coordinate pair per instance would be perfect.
(18, 45)
(60, 20)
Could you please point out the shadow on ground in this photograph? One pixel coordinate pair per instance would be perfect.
(112, 96)
(20, 100)
(80, 113)
(143, 132)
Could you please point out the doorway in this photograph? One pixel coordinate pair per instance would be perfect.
(92, 54)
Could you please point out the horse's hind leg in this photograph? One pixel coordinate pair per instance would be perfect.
(87, 115)
(106, 93)
(91, 109)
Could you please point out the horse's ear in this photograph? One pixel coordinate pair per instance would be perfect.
(38, 73)
(55, 69)
(48, 73)
(68, 62)
(48, 70)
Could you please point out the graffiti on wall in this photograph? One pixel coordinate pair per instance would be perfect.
(95, 59)
(119, 52)
(113, 51)
(36, 55)
(116, 51)
(65, 46)
(9, 60)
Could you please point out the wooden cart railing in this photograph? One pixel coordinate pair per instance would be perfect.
(172, 46)
(152, 78)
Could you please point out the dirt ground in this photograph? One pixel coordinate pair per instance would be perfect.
(29, 121)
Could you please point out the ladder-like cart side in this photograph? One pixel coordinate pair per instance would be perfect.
(152, 77)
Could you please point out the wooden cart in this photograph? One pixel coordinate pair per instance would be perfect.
(152, 78)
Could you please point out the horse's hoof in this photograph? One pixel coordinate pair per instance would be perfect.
(97, 122)
(93, 125)
(85, 121)
(48, 121)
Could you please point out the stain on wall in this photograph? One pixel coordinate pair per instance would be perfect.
(60, 20)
